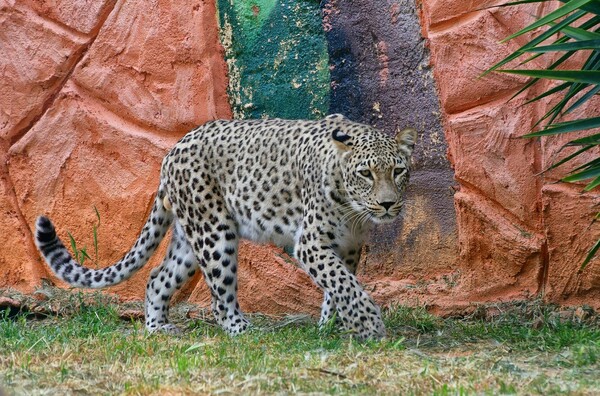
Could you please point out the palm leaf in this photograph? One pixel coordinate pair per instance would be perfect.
(578, 76)
(580, 33)
(557, 109)
(561, 12)
(592, 63)
(592, 172)
(551, 91)
(590, 255)
(592, 7)
(563, 39)
(588, 95)
(551, 67)
(512, 3)
(593, 184)
(573, 46)
(577, 87)
(568, 158)
(592, 139)
(542, 37)
(587, 165)
(568, 126)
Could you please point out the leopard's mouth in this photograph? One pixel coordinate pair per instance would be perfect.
(382, 215)
(378, 215)
(384, 218)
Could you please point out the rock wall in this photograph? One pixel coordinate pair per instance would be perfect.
(380, 75)
(367, 61)
(277, 58)
(520, 233)
(95, 93)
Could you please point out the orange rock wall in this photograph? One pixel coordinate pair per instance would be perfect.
(94, 93)
(520, 233)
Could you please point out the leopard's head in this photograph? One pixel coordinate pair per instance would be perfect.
(375, 168)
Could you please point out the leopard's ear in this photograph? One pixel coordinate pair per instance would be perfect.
(336, 116)
(406, 140)
(341, 140)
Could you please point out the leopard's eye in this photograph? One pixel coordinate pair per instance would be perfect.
(399, 172)
(366, 173)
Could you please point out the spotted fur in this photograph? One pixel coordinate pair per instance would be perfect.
(313, 185)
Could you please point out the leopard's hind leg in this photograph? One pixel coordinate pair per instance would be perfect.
(213, 236)
(219, 264)
(177, 267)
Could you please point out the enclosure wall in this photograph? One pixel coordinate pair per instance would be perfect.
(95, 94)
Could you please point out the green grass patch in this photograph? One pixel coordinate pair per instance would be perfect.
(88, 348)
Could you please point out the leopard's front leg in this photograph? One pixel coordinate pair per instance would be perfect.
(355, 308)
(350, 257)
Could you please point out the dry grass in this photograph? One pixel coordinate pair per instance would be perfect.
(523, 348)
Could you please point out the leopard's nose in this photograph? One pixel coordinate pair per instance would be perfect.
(387, 205)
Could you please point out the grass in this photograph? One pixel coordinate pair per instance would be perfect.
(520, 348)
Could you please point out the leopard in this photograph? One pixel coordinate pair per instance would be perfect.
(314, 187)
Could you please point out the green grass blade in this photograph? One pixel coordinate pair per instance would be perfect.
(97, 214)
(578, 76)
(95, 233)
(73, 246)
(95, 236)
(72, 240)
(84, 255)
(561, 12)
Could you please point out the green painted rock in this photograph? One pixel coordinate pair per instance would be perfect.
(277, 57)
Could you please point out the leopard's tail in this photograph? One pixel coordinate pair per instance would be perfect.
(69, 270)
